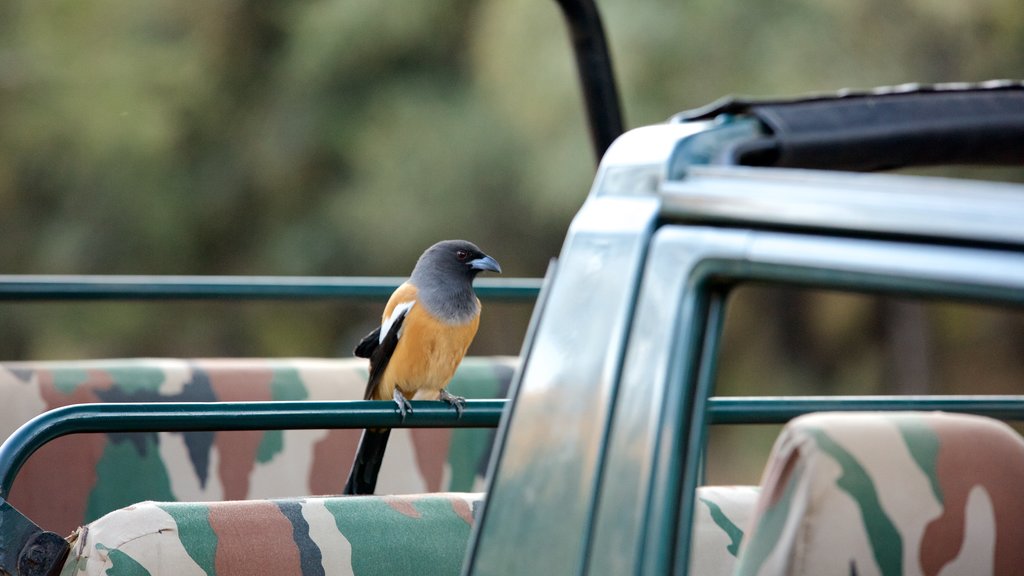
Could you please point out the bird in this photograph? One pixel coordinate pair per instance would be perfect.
(427, 326)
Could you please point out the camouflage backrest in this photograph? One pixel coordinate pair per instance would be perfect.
(115, 470)
(361, 536)
(356, 535)
(892, 494)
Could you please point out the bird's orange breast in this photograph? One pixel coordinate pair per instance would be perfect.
(427, 353)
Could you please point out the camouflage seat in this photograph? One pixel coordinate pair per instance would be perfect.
(359, 535)
(116, 470)
(890, 493)
(362, 536)
(722, 514)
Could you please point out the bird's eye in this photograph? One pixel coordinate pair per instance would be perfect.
(461, 255)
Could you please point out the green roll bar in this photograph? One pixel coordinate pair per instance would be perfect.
(28, 550)
(98, 287)
(216, 416)
(294, 415)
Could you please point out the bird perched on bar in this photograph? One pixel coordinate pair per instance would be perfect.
(427, 326)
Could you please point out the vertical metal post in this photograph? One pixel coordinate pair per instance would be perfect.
(597, 79)
(696, 435)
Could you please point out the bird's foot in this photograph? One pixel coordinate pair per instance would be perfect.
(404, 406)
(457, 402)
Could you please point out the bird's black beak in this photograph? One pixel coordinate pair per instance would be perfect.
(485, 263)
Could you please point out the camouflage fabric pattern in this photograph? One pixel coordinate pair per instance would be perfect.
(903, 494)
(356, 535)
(110, 471)
(722, 514)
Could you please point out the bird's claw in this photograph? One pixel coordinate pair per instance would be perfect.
(404, 406)
(457, 402)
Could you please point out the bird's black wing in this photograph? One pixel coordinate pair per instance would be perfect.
(381, 353)
(362, 478)
(368, 344)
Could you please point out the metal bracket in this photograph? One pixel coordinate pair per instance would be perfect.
(25, 548)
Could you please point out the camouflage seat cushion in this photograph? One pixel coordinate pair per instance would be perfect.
(896, 493)
(360, 535)
(115, 470)
(721, 516)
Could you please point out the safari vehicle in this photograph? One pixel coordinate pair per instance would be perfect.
(597, 463)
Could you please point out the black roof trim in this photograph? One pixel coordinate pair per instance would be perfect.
(742, 104)
(881, 129)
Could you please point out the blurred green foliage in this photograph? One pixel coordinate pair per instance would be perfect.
(341, 138)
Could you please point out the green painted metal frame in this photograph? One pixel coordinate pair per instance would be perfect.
(196, 416)
(710, 283)
(35, 288)
(779, 410)
(215, 416)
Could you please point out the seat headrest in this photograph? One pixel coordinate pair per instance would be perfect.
(890, 493)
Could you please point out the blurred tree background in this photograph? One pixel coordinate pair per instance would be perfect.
(317, 137)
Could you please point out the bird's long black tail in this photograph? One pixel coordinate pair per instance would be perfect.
(363, 477)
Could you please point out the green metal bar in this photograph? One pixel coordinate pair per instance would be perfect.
(213, 416)
(779, 410)
(659, 548)
(703, 387)
(17, 287)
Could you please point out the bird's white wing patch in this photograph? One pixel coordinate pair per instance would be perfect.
(399, 311)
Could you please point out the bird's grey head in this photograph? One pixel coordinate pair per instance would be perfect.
(444, 278)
